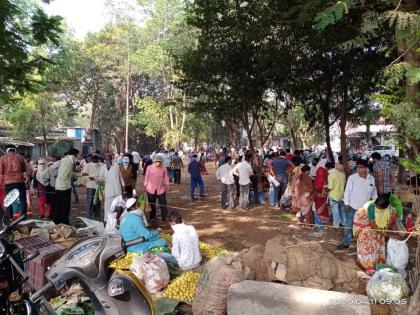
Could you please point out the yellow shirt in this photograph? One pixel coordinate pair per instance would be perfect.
(336, 185)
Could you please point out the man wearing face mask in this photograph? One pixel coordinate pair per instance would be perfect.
(91, 172)
(128, 176)
(156, 182)
(110, 174)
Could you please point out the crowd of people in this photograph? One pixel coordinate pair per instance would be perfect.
(319, 192)
(314, 187)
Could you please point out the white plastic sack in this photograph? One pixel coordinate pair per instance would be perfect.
(152, 271)
(96, 226)
(397, 254)
(111, 224)
(387, 285)
(273, 180)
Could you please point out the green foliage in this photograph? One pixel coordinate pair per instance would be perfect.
(413, 166)
(24, 29)
(333, 14)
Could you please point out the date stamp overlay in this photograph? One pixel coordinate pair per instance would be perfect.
(367, 301)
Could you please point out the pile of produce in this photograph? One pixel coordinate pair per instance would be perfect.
(123, 262)
(210, 251)
(207, 250)
(183, 287)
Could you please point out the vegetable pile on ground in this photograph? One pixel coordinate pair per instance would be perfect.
(73, 301)
(207, 251)
(183, 288)
(123, 262)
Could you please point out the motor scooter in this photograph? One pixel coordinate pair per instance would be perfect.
(112, 292)
(13, 300)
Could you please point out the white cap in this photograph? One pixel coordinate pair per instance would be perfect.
(130, 202)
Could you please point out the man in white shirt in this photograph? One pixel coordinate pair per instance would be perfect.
(360, 188)
(244, 171)
(224, 174)
(185, 243)
(92, 171)
(62, 198)
(111, 175)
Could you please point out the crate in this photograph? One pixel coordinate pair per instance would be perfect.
(37, 267)
(30, 244)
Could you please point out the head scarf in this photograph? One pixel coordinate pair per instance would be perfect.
(321, 163)
(42, 173)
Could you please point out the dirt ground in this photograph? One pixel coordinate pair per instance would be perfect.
(233, 229)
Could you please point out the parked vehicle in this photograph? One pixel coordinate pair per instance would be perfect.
(12, 276)
(388, 152)
(113, 292)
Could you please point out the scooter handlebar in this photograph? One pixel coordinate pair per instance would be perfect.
(134, 242)
(41, 292)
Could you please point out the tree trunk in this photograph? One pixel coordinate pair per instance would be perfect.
(44, 135)
(294, 138)
(368, 134)
(343, 137)
(326, 122)
(248, 129)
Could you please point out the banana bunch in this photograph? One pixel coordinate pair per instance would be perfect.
(183, 287)
(123, 262)
(210, 251)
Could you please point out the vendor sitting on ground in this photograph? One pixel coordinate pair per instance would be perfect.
(132, 227)
(373, 216)
(185, 243)
(133, 206)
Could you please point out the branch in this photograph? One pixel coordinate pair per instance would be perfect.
(402, 55)
(398, 6)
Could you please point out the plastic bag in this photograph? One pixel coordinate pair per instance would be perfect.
(152, 271)
(397, 255)
(387, 285)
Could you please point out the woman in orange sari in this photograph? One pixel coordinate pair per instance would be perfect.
(305, 191)
(373, 216)
(321, 180)
(294, 182)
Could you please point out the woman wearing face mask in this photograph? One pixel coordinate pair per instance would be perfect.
(41, 183)
(156, 182)
(127, 174)
(111, 176)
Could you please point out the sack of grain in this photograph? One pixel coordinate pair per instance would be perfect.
(219, 274)
(253, 258)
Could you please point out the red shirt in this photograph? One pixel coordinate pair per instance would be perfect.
(12, 167)
(289, 156)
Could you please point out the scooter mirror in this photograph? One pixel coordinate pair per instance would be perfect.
(11, 197)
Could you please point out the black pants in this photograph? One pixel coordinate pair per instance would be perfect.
(22, 197)
(62, 203)
(151, 198)
(177, 178)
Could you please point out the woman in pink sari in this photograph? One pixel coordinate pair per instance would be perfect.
(321, 180)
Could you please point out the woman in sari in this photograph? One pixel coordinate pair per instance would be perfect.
(372, 216)
(321, 179)
(294, 182)
(305, 194)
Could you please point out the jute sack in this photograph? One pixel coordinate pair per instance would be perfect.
(219, 274)
(253, 258)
